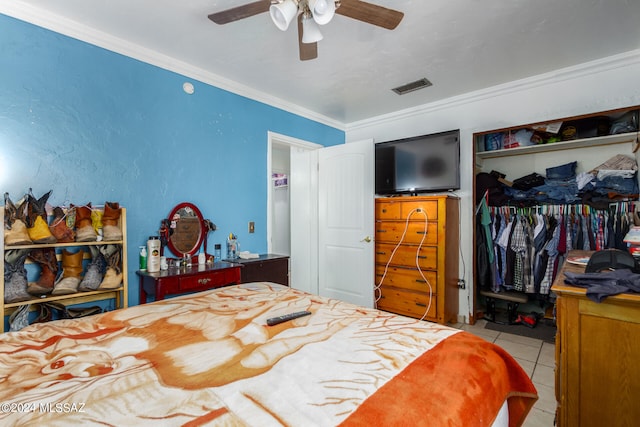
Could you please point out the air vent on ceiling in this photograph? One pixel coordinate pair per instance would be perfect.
(410, 87)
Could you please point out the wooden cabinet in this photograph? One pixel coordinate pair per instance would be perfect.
(416, 255)
(120, 294)
(265, 268)
(597, 349)
(178, 280)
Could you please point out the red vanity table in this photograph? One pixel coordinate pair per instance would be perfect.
(177, 280)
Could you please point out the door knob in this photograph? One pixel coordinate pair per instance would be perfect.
(366, 239)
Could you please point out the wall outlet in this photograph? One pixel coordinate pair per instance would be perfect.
(252, 227)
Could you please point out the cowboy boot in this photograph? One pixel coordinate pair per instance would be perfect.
(59, 227)
(46, 258)
(95, 271)
(15, 276)
(110, 229)
(44, 314)
(96, 222)
(20, 318)
(15, 230)
(37, 225)
(71, 272)
(84, 227)
(113, 276)
(64, 312)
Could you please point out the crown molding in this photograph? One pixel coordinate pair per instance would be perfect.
(62, 25)
(67, 27)
(557, 76)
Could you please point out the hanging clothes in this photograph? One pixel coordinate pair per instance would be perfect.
(522, 249)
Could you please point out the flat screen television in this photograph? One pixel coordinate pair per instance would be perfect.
(421, 164)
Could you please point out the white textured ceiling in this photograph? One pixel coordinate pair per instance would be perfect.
(459, 45)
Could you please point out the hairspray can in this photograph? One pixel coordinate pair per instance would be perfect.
(153, 254)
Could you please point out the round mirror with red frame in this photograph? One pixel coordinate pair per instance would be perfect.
(186, 229)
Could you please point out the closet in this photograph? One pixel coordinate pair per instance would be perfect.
(542, 189)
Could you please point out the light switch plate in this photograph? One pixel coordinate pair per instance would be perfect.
(252, 226)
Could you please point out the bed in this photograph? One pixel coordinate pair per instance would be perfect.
(210, 359)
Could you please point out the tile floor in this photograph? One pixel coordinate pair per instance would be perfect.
(537, 358)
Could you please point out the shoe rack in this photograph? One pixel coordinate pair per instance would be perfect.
(120, 294)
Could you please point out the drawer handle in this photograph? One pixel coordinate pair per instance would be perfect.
(421, 232)
(381, 253)
(204, 281)
(381, 231)
(384, 211)
(421, 281)
(422, 256)
(419, 304)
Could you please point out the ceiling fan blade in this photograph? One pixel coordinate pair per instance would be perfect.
(240, 12)
(370, 13)
(307, 50)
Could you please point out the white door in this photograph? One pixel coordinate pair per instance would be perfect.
(303, 191)
(302, 164)
(346, 222)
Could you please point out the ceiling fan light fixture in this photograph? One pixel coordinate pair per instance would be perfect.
(322, 10)
(310, 30)
(283, 13)
(316, 12)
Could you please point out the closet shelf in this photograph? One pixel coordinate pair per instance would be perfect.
(622, 138)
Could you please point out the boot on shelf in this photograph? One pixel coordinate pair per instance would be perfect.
(84, 227)
(71, 272)
(110, 229)
(46, 259)
(113, 276)
(96, 222)
(37, 225)
(64, 312)
(44, 314)
(20, 318)
(15, 276)
(95, 271)
(15, 229)
(59, 227)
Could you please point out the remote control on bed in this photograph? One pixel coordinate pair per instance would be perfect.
(285, 317)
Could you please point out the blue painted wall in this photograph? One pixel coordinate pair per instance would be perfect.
(96, 126)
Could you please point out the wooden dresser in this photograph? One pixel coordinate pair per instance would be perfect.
(403, 289)
(597, 356)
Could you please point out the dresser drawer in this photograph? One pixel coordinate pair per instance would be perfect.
(391, 231)
(203, 282)
(430, 208)
(408, 303)
(406, 255)
(406, 278)
(388, 209)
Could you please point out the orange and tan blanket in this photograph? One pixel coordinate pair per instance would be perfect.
(210, 359)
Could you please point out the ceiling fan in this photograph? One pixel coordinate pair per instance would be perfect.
(310, 14)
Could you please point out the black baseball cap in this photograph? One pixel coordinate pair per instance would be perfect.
(611, 259)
